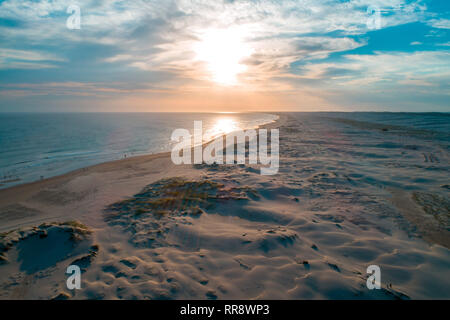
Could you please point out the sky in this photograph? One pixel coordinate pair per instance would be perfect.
(224, 55)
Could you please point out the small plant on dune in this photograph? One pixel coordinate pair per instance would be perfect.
(434, 205)
(178, 196)
(147, 213)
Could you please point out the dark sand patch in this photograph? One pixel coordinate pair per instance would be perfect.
(147, 214)
(430, 213)
(17, 212)
(59, 197)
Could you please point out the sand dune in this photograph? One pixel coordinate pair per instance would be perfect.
(344, 199)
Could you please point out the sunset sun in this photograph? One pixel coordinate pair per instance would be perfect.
(223, 51)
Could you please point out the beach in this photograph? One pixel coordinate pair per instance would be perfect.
(347, 196)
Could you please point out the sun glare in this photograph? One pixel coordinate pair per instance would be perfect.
(224, 126)
(223, 51)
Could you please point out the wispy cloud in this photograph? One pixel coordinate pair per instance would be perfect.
(430, 67)
(440, 23)
(27, 59)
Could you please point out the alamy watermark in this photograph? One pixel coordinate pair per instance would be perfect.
(74, 280)
(232, 145)
(374, 280)
(73, 22)
(374, 20)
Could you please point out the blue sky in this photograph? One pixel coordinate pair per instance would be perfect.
(188, 55)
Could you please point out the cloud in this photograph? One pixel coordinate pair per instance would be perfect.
(119, 57)
(384, 79)
(295, 45)
(162, 33)
(26, 59)
(440, 23)
(276, 31)
(68, 88)
(382, 68)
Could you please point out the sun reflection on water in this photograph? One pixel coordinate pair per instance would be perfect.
(225, 125)
(221, 126)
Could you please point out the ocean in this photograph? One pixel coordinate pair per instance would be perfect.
(42, 145)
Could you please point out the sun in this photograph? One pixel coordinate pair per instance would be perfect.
(223, 51)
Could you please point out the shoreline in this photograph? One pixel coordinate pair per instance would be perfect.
(144, 156)
(30, 190)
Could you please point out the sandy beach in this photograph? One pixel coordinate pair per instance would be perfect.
(144, 228)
